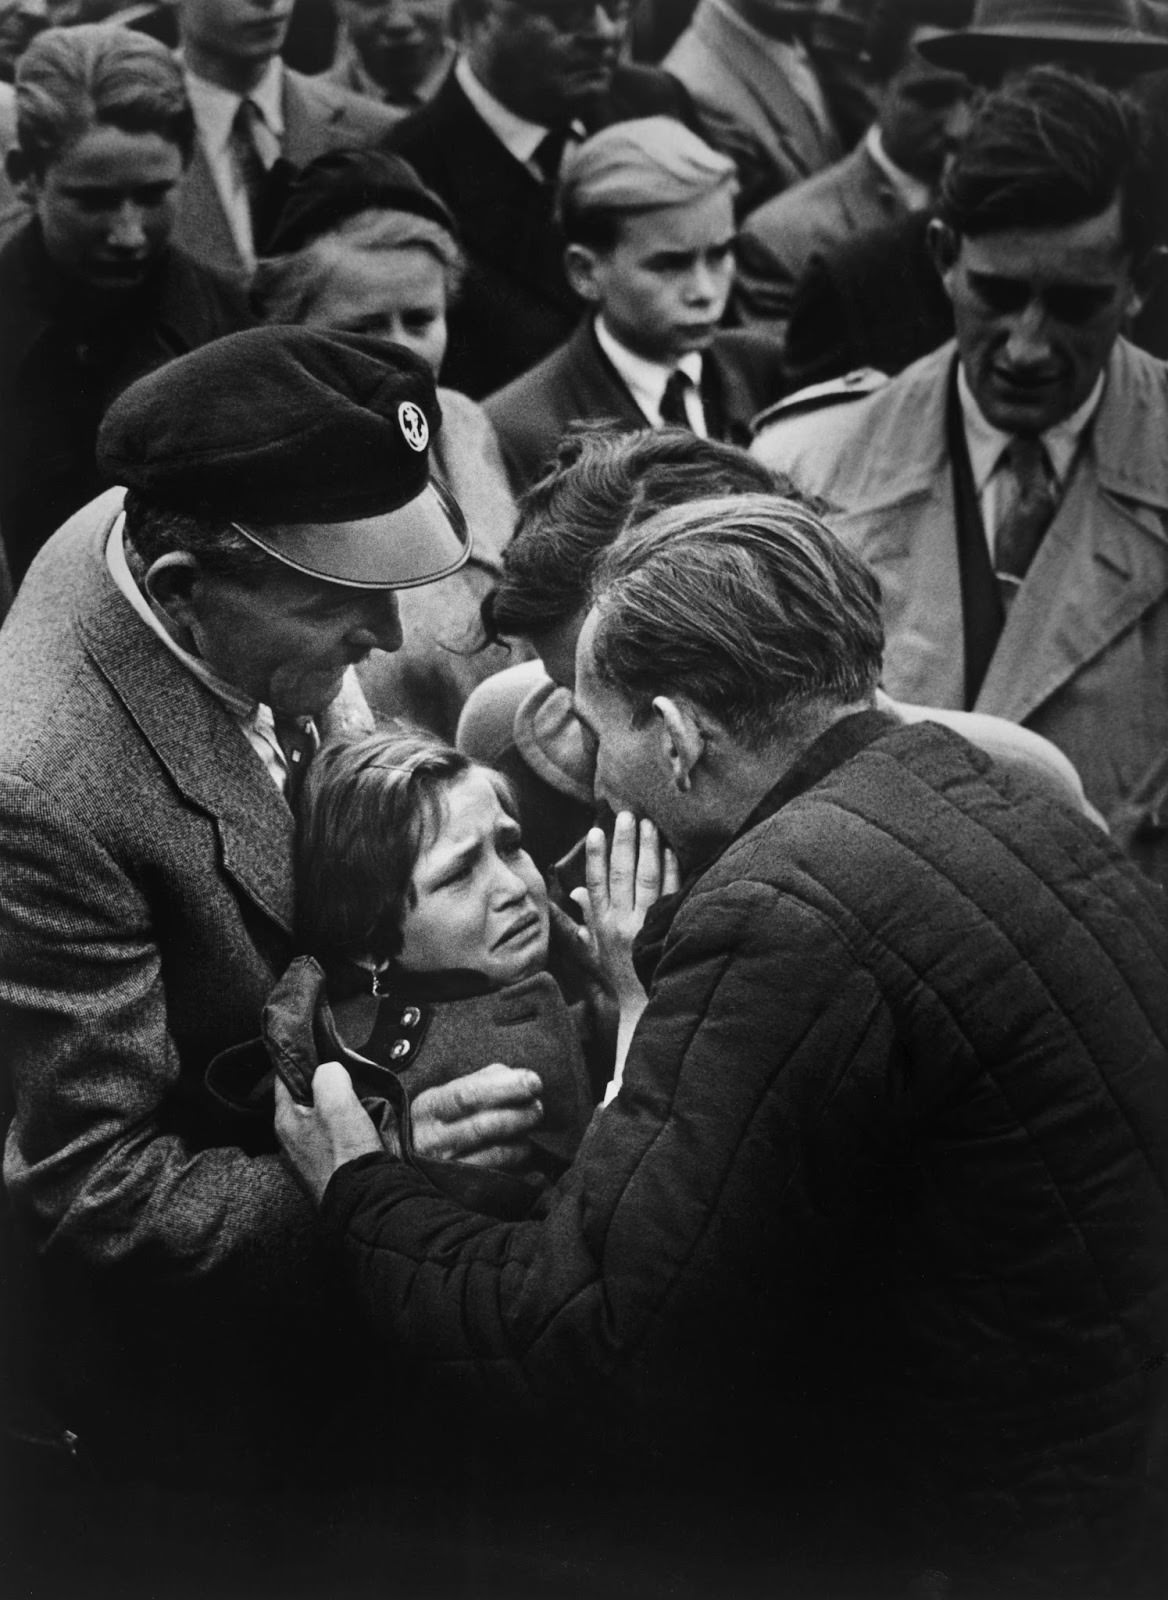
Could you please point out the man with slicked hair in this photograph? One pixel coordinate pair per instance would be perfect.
(833, 1285)
(1009, 489)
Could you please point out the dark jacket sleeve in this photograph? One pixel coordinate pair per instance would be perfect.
(648, 1254)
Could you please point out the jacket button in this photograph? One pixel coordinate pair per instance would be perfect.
(410, 1017)
(399, 1049)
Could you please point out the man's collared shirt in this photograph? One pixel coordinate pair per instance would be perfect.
(646, 380)
(215, 111)
(912, 193)
(518, 137)
(253, 716)
(987, 444)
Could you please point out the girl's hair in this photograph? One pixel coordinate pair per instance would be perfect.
(286, 288)
(368, 808)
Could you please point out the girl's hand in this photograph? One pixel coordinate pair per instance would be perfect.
(621, 888)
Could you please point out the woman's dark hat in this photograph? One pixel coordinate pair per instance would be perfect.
(1107, 34)
(313, 445)
(342, 184)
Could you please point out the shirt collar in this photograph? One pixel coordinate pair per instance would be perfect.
(239, 704)
(215, 107)
(914, 194)
(646, 380)
(519, 137)
(986, 443)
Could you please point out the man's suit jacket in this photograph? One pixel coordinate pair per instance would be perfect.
(749, 109)
(318, 116)
(875, 300)
(516, 304)
(147, 910)
(742, 373)
(1083, 657)
(779, 240)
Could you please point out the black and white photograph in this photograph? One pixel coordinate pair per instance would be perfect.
(584, 799)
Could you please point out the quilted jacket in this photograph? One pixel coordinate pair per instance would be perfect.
(879, 1213)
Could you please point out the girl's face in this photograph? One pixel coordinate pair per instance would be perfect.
(397, 294)
(478, 898)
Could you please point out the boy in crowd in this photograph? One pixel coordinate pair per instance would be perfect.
(647, 210)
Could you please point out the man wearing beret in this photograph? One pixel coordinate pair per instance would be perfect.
(170, 662)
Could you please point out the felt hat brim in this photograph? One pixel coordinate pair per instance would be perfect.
(981, 51)
(420, 542)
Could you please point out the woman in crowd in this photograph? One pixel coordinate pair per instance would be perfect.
(362, 247)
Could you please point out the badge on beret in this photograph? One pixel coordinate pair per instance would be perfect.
(415, 429)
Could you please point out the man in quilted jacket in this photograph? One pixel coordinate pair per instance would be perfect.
(862, 1278)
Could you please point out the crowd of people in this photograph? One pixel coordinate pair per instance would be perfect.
(584, 799)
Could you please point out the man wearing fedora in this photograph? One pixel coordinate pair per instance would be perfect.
(873, 300)
(1009, 489)
(177, 650)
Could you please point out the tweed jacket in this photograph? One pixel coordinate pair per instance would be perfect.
(845, 1216)
(516, 304)
(318, 116)
(1083, 657)
(749, 108)
(147, 909)
(742, 373)
(778, 241)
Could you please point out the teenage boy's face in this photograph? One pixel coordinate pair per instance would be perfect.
(477, 900)
(106, 206)
(663, 286)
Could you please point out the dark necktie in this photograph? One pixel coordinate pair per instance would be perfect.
(245, 152)
(549, 153)
(1030, 506)
(298, 739)
(673, 411)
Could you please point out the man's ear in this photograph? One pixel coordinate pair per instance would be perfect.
(943, 248)
(683, 740)
(1147, 276)
(21, 176)
(170, 584)
(580, 264)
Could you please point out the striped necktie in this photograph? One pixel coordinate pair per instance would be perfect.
(1031, 501)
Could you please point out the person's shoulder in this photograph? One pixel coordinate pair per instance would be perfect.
(827, 403)
(323, 97)
(751, 351)
(418, 131)
(639, 91)
(212, 301)
(514, 400)
(797, 207)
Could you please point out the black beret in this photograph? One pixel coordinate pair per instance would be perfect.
(312, 444)
(342, 184)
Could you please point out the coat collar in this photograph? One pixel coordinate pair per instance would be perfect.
(191, 734)
(1133, 407)
(842, 741)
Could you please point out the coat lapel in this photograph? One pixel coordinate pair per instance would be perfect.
(1100, 567)
(202, 228)
(1104, 561)
(594, 388)
(195, 739)
(309, 114)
